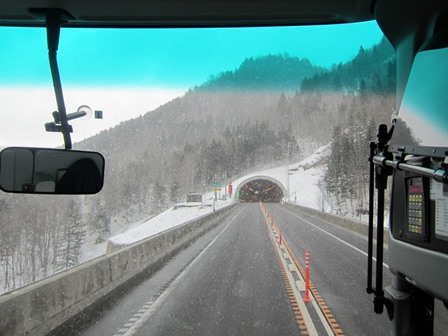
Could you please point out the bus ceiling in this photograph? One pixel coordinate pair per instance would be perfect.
(187, 13)
(398, 19)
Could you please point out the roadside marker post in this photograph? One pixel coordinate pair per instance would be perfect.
(307, 276)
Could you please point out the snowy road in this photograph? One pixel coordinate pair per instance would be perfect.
(233, 288)
(229, 282)
(338, 265)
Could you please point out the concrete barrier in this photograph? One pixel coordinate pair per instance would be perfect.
(39, 308)
(346, 223)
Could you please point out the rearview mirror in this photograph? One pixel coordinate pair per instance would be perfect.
(51, 171)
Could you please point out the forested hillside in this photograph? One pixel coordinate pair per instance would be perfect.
(271, 110)
(267, 73)
(371, 72)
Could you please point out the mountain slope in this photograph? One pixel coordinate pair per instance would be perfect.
(371, 70)
(271, 72)
(212, 131)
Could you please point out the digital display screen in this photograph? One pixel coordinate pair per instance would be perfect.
(415, 206)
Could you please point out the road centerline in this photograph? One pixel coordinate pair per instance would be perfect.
(305, 322)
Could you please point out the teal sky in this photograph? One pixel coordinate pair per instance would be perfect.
(168, 57)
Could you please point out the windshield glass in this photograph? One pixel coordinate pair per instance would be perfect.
(422, 118)
(126, 73)
(187, 121)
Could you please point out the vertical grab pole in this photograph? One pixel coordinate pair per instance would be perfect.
(381, 174)
(371, 209)
(379, 292)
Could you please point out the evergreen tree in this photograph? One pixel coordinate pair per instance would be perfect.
(70, 238)
(158, 198)
(174, 192)
(102, 220)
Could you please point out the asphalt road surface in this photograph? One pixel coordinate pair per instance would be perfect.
(233, 288)
(229, 283)
(338, 266)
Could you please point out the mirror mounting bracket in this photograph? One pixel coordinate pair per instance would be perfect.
(54, 19)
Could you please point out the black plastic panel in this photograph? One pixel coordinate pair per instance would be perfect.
(413, 215)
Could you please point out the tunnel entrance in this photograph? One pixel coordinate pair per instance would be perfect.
(260, 190)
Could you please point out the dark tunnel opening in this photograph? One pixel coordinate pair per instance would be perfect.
(260, 190)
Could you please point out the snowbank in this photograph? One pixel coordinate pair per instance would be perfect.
(303, 189)
(168, 219)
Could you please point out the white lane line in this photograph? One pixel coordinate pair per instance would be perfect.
(147, 314)
(333, 236)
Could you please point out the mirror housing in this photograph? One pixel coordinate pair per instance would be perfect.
(50, 171)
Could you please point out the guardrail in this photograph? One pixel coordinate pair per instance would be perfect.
(39, 308)
(346, 223)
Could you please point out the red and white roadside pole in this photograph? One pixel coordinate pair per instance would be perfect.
(307, 276)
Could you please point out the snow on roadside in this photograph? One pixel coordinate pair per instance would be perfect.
(168, 219)
(302, 180)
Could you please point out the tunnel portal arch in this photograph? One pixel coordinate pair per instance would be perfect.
(260, 189)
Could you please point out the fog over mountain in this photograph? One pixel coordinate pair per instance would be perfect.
(269, 111)
(245, 118)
